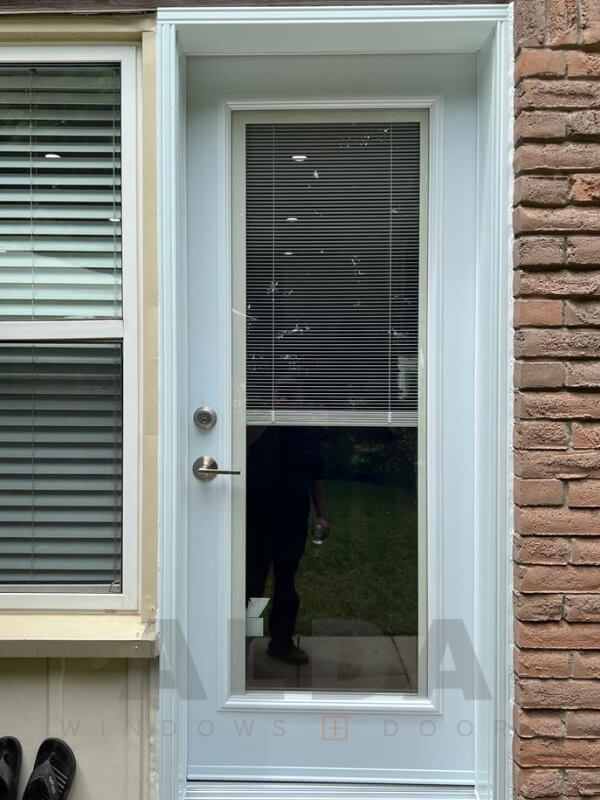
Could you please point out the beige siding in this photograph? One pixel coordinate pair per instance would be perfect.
(104, 708)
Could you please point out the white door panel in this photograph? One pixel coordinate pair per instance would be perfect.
(282, 735)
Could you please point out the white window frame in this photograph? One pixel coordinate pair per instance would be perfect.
(428, 111)
(124, 330)
(485, 30)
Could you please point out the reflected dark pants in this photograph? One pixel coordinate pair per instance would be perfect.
(278, 537)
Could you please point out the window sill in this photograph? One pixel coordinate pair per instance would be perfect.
(24, 635)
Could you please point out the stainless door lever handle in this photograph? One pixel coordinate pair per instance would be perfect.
(206, 469)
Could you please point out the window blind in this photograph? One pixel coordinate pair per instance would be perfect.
(60, 202)
(60, 464)
(332, 272)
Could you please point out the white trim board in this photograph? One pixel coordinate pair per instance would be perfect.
(486, 30)
(210, 790)
(173, 457)
(333, 29)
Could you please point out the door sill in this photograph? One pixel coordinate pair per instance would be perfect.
(256, 790)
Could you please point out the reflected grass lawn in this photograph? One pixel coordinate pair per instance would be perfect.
(367, 569)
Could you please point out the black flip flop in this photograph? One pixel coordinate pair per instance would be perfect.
(10, 767)
(53, 772)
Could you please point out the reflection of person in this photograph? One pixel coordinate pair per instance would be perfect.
(283, 475)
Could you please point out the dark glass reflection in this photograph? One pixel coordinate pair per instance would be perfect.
(332, 548)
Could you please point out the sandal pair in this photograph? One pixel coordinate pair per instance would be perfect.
(52, 775)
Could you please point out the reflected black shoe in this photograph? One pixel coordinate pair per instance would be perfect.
(287, 652)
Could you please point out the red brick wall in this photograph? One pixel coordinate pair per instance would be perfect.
(557, 377)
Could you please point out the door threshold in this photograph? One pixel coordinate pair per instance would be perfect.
(256, 790)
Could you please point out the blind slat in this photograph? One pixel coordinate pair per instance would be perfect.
(8, 180)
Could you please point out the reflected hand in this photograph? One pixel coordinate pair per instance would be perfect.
(324, 523)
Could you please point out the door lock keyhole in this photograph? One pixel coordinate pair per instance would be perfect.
(205, 418)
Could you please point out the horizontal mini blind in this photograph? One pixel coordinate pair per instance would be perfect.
(60, 464)
(60, 191)
(332, 272)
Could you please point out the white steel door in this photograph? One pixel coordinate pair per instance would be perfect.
(331, 293)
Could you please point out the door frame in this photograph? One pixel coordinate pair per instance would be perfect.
(431, 527)
(487, 31)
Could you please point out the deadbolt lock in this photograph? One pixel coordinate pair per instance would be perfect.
(205, 418)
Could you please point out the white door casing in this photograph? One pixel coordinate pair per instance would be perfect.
(468, 345)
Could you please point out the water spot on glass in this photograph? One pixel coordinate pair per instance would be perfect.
(272, 287)
(289, 292)
(355, 260)
(394, 210)
(316, 174)
(357, 304)
(321, 251)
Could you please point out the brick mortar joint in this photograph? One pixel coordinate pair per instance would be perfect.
(572, 47)
(564, 606)
(555, 360)
(587, 48)
(557, 79)
(562, 779)
(566, 47)
(538, 142)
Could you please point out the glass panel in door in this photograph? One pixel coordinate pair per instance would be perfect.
(328, 282)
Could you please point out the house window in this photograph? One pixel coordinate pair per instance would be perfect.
(67, 326)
